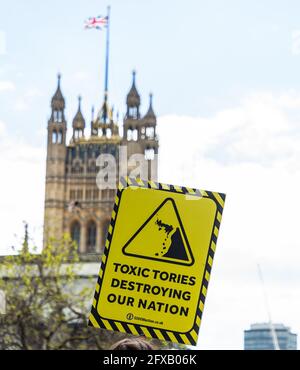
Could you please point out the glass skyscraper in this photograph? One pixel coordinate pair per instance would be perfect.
(259, 337)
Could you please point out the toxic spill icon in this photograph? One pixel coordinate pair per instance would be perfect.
(161, 237)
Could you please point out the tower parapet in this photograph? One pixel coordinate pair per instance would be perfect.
(73, 202)
(55, 167)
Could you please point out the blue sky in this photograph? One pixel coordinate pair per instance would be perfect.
(226, 84)
(195, 56)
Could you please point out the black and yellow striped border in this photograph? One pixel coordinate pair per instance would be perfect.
(188, 338)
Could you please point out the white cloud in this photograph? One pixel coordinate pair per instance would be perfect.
(21, 105)
(2, 128)
(7, 86)
(251, 153)
(21, 190)
(81, 76)
(33, 92)
(261, 129)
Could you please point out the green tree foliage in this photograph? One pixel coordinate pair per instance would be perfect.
(46, 308)
(47, 303)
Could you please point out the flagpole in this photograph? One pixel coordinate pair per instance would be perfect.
(106, 64)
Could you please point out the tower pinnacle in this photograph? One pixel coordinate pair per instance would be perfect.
(133, 100)
(78, 121)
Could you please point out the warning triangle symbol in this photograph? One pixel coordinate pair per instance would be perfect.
(161, 237)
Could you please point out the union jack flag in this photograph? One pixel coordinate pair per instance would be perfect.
(96, 22)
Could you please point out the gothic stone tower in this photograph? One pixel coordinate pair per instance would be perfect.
(73, 202)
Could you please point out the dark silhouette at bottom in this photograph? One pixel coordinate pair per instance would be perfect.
(133, 344)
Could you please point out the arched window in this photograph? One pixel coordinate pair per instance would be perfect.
(105, 227)
(108, 133)
(98, 151)
(90, 151)
(129, 134)
(54, 137)
(59, 137)
(133, 112)
(135, 134)
(91, 167)
(73, 152)
(91, 237)
(149, 154)
(150, 132)
(75, 232)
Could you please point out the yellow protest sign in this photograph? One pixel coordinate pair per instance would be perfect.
(157, 261)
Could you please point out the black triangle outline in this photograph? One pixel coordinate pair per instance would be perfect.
(181, 229)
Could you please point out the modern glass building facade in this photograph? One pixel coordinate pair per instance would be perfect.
(259, 337)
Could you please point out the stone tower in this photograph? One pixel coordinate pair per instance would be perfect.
(55, 167)
(74, 204)
(140, 132)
